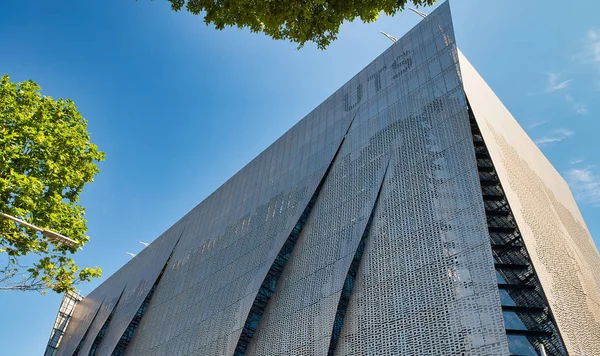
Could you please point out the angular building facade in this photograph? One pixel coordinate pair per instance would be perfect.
(408, 214)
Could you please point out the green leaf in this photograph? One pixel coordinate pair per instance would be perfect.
(46, 158)
(304, 21)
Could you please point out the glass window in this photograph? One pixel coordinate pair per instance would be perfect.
(512, 321)
(520, 345)
(505, 298)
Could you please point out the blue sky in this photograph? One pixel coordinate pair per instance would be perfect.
(179, 107)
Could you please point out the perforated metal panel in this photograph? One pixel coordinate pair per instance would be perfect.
(133, 281)
(137, 288)
(557, 240)
(426, 284)
(312, 280)
(232, 239)
(104, 313)
(380, 249)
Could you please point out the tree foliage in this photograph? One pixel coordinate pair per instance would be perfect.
(299, 21)
(46, 157)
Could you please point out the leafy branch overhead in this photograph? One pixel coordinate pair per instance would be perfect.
(304, 21)
(46, 158)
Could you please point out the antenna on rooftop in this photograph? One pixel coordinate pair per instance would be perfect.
(144, 243)
(392, 38)
(131, 254)
(422, 14)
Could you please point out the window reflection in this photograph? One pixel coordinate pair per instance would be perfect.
(520, 345)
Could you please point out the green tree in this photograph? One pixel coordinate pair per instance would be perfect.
(298, 21)
(46, 157)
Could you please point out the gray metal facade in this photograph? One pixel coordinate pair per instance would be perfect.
(361, 231)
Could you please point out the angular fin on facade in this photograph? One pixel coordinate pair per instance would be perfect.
(351, 275)
(269, 283)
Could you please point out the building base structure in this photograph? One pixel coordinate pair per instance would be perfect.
(408, 214)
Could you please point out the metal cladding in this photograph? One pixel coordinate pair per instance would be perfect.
(561, 248)
(369, 229)
(122, 293)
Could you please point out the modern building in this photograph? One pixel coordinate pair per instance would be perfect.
(408, 214)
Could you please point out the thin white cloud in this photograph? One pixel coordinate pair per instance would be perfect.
(554, 82)
(575, 161)
(538, 123)
(557, 135)
(564, 132)
(591, 50)
(592, 46)
(580, 108)
(585, 185)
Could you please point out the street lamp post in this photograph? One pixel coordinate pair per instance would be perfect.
(422, 14)
(394, 39)
(50, 235)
